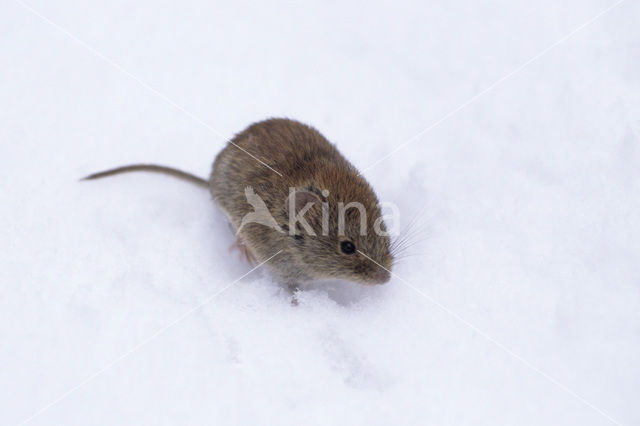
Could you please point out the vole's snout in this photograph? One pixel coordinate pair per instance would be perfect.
(377, 272)
(381, 276)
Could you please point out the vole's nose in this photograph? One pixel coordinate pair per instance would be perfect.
(381, 276)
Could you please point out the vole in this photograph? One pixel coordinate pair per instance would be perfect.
(305, 184)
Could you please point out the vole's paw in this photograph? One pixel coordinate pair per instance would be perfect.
(244, 252)
(293, 291)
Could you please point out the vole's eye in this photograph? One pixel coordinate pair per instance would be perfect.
(347, 247)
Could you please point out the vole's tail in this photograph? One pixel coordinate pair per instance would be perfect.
(150, 168)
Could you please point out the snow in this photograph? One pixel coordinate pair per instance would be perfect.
(521, 304)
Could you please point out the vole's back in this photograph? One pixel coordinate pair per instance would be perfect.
(292, 150)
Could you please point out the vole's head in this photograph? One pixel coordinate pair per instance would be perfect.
(343, 235)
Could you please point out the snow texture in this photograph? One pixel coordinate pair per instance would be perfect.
(525, 306)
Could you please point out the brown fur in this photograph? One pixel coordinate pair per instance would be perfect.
(307, 162)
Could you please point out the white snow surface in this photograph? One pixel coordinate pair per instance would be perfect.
(521, 304)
